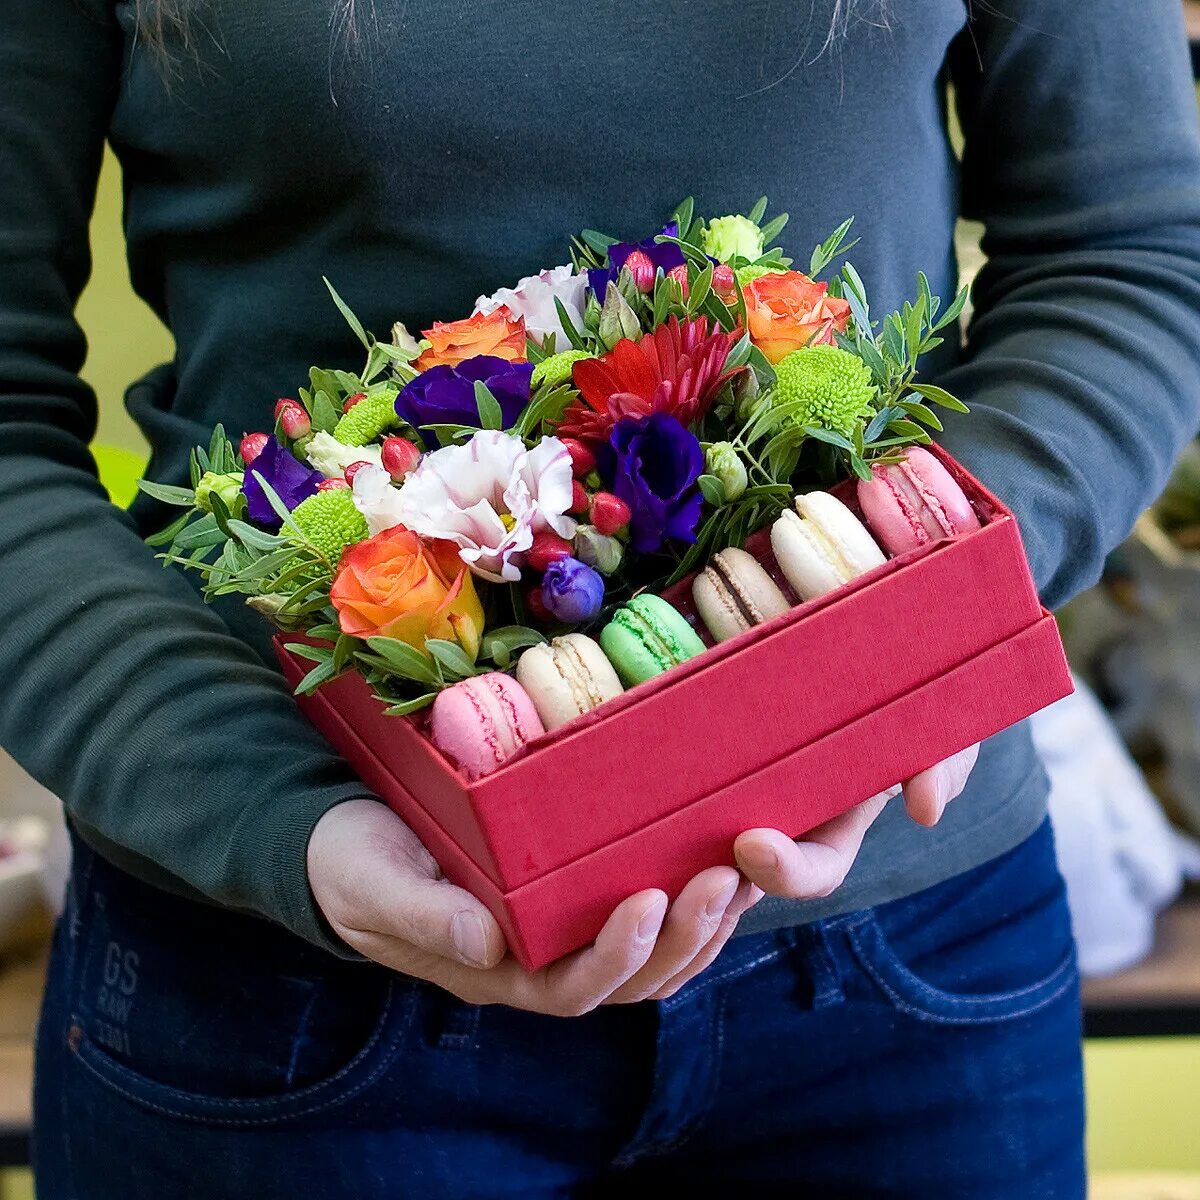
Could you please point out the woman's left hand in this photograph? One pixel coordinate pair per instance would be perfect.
(818, 863)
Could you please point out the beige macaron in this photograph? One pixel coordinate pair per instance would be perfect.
(567, 678)
(734, 592)
(822, 545)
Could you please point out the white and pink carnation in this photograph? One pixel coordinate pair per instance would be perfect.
(489, 496)
(327, 455)
(376, 498)
(533, 299)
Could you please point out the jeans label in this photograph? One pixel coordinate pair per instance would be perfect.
(114, 998)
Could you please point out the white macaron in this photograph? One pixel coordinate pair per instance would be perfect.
(567, 678)
(822, 545)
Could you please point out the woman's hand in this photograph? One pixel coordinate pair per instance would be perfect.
(819, 862)
(383, 895)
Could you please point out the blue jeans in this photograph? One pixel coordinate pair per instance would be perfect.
(928, 1048)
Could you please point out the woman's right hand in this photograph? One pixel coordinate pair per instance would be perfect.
(383, 895)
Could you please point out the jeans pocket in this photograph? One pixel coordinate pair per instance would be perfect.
(927, 1001)
(213, 1017)
(993, 944)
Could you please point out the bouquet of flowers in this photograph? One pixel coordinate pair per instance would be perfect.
(600, 430)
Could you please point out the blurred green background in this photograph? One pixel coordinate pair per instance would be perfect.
(125, 339)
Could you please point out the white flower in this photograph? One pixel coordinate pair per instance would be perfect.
(376, 499)
(533, 298)
(489, 497)
(327, 455)
(403, 340)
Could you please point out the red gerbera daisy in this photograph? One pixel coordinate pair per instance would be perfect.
(677, 369)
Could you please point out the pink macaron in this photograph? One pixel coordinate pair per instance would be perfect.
(913, 502)
(483, 721)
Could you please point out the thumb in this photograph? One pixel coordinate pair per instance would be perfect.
(386, 884)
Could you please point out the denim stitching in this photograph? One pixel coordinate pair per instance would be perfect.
(629, 1153)
(380, 1026)
(847, 921)
(1046, 990)
(275, 1118)
(692, 1127)
(711, 980)
(73, 914)
(966, 1001)
(947, 1019)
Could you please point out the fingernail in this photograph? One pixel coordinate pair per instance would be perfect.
(941, 792)
(470, 940)
(760, 856)
(651, 921)
(718, 902)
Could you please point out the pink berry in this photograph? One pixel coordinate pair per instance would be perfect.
(351, 401)
(292, 418)
(252, 446)
(582, 458)
(546, 547)
(399, 456)
(641, 270)
(579, 498)
(536, 606)
(353, 469)
(724, 284)
(331, 485)
(609, 513)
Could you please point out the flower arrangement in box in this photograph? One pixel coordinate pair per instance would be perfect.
(539, 469)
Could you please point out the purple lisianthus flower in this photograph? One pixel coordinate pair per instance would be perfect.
(664, 256)
(446, 395)
(653, 463)
(287, 476)
(572, 590)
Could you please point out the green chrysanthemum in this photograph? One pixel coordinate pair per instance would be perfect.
(368, 419)
(746, 274)
(829, 386)
(556, 369)
(330, 521)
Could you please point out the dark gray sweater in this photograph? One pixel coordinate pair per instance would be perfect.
(451, 149)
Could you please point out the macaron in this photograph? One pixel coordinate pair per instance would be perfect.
(734, 592)
(821, 545)
(913, 502)
(647, 637)
(482, 721)
(567, 678)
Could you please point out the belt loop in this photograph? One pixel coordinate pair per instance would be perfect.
(824, 972)
(459, 1026)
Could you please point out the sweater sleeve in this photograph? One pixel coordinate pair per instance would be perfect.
(176, 751)
(1082, 365)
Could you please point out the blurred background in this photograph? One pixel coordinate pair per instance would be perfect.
(1124, 757)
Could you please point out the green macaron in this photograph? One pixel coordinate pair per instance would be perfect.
(647, 637)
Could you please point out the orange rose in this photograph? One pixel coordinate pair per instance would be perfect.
(396, 585)
(453, 341)
(786, 310)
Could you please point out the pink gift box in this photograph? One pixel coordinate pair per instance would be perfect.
(786, 725)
